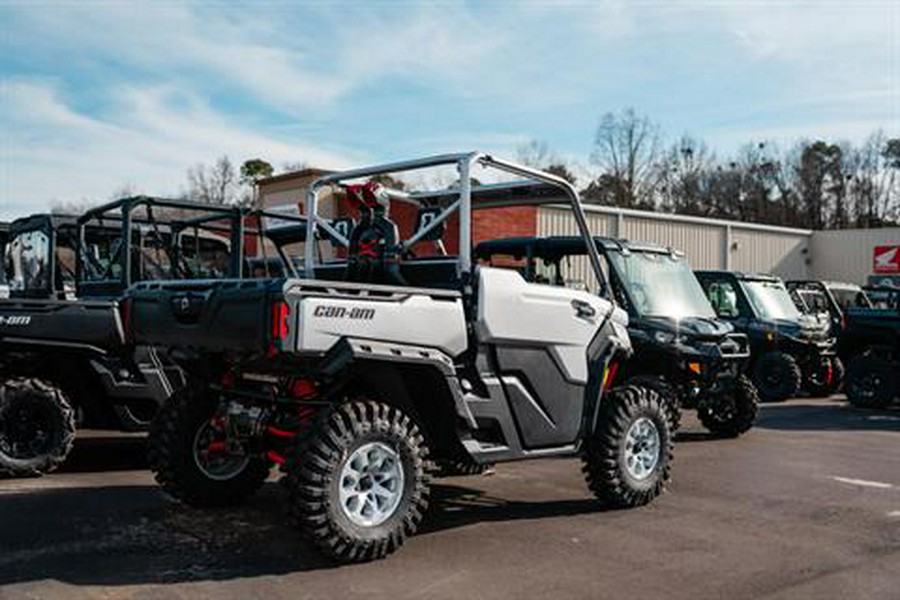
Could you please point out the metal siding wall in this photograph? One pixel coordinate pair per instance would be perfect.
(783, 254)
(702, 244)
(847, 255)
(556, 221)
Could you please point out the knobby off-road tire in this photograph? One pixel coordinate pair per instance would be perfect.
(37, 427)
(608, 455)
(872, 382)
(173, 457)
(824, 389)
(359, 482)
(669, 394)
(732, 413)
(777, 376)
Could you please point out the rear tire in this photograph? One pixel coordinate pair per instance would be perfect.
(871, 382)
(825, 388)
(669, 394)
(733, 412)
(359, 482)
(37, 427)
(839, 374)
(172, 452)
(777, 376)
(626, 461)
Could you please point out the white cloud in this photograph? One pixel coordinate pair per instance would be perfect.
(260, 56)
(113, 93)
(51, 152)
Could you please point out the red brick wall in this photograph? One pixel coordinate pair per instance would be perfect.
(487, 224)
(493, 223)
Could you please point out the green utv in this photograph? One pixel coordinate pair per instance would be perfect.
(681, 349)
(790, 351)
(389, 354)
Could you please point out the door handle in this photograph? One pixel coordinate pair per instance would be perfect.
(583, 309)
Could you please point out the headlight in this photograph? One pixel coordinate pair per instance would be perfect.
(664, 337)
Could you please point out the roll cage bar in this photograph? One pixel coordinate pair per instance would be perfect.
(231, 222)
(462, 204)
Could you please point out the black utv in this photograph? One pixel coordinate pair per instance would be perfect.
(681, 349)
(790, 351)
(834, 302)
(64, 358)
(873, 375)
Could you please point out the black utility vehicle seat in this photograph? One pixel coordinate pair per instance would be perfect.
(373, 255)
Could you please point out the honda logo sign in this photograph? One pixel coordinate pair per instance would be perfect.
(886, 259)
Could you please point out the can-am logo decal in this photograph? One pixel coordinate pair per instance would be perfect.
(342, 312)
(15, 320)
(886, 259)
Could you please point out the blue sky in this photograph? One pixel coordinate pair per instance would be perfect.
(97, 95)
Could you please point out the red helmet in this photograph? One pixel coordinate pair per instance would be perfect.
(369, 194)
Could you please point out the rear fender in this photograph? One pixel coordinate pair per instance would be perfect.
(420, 381)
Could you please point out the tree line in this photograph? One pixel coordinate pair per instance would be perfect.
(814, 184)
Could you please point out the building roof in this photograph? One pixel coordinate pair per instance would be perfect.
(291, 175)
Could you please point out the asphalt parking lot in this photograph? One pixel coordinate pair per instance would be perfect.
(807, 505)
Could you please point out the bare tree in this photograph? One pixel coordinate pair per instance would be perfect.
(214, 184)
(685, 177)
(626, 149)
(290, 167)
(537, 154)
(872, 175)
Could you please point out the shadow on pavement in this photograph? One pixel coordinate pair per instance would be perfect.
(97, 454)
(458, 506)
(826, 416)
(134, 535)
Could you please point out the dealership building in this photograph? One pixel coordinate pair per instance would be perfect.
(852, 255)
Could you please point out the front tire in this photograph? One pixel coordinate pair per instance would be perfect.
(626, 461)
(667, 392)
(871, 382)
(777, 376)
(359, 482)
(37, 427)
(175, 452)
(733, 412)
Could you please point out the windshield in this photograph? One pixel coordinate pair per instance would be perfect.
(771, 300)
(850, 297)
(661, 285)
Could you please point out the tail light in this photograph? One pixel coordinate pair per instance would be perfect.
(281, 313)
(303, 388)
